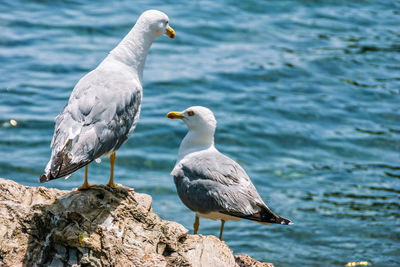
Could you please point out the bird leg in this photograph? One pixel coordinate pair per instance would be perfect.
(111, 181)
(85, 185)
(196, 224)
(222, 229)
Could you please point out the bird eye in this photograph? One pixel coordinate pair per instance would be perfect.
(190, 113)
(166, 22)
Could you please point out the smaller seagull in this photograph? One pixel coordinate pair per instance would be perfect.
(211, 184)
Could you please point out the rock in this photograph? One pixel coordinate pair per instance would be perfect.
(98, 227)
(244, 260)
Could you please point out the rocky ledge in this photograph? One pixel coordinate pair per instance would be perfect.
(98, 227)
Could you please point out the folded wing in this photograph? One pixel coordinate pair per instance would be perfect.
(101, 113)
(209, 181)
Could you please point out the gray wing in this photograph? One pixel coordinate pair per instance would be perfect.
(210, 181)
(101, 113)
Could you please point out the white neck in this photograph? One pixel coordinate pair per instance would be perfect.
(132, 50)
(195, 141)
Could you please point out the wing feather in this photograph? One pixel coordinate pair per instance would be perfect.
(210, 181)
(102, 112)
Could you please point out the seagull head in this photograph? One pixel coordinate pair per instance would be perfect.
(196, 118)
(156, 22)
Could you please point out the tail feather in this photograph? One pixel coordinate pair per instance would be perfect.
(265, 215)
(63, 171)
(61, 166)
(45, 177)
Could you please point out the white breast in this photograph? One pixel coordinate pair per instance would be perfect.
(215, 215)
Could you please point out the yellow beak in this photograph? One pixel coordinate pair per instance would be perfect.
(174, 115)
(170, 32)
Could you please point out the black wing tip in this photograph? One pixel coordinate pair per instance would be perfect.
(284, 221)
(265, 215)
(67, 170)
(45, 178)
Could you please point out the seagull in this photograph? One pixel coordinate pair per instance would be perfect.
(211, 184)
(104, 107)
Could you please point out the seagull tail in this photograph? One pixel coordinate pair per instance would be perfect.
(59, 169)
(45, 177)
(266, 216)
(284, 221)
(60, 165)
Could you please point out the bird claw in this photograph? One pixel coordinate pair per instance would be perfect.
(114, 186)
(83, 187)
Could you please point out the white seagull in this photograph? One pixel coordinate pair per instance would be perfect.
(104, 107)
(211, 184)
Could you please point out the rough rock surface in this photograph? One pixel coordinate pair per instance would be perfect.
(246, 260)
(98, 227)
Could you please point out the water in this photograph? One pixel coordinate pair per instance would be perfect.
(306, 94)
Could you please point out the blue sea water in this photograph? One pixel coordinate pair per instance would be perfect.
(306, 94)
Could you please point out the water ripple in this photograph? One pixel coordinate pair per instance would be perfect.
(306, 94)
